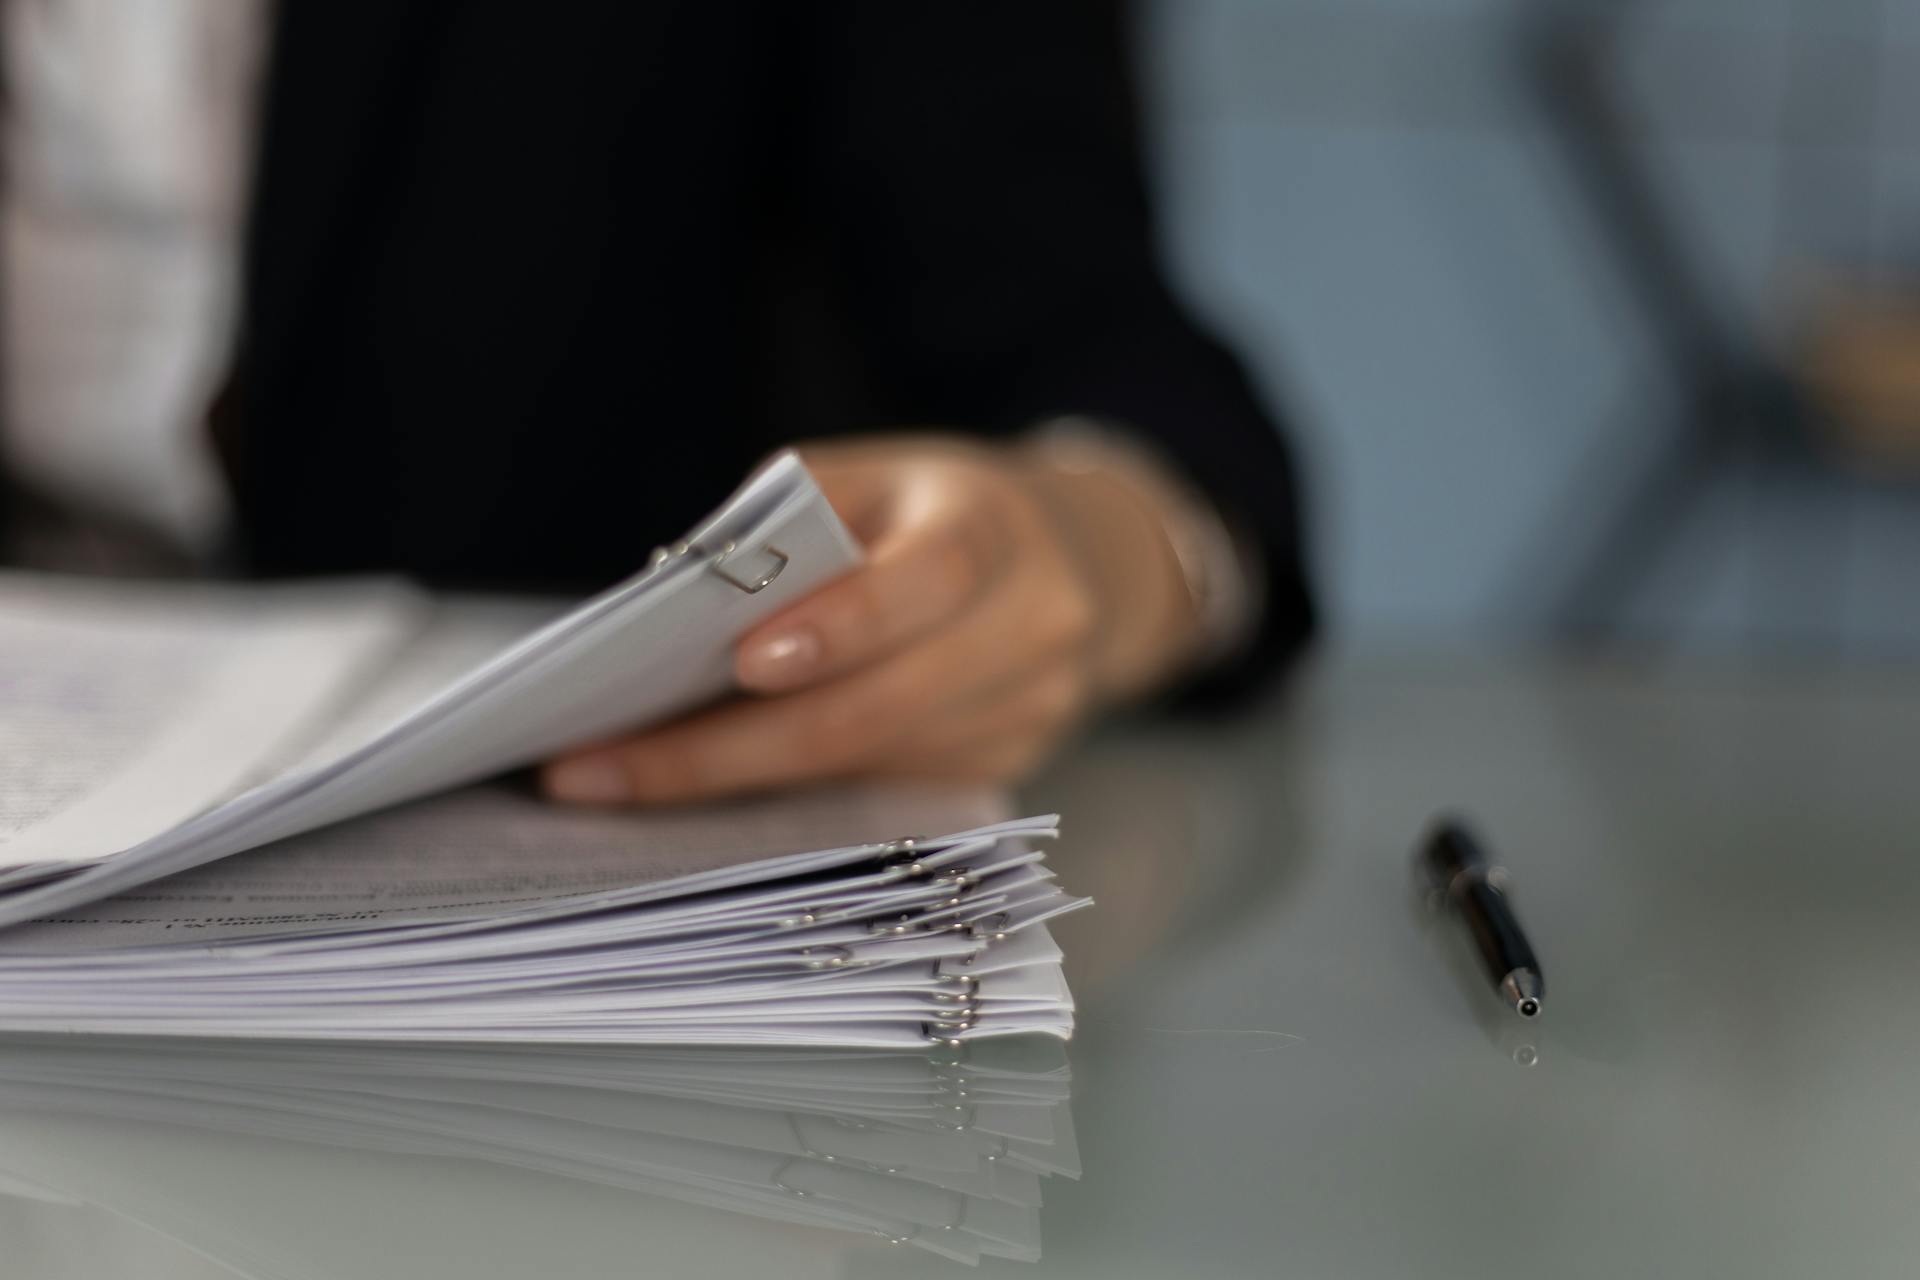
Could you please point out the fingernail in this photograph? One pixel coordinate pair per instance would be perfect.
(589, 780)
(780, 660)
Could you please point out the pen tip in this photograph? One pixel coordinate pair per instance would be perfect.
(1522, 989)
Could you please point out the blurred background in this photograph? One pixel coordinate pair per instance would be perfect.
(1540, 280)
(1598, 320)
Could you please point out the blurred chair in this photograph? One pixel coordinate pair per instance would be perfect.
(1736, 400)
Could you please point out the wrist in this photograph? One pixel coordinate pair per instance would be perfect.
(1124, 524)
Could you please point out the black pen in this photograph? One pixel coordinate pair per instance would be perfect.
(1457, 869)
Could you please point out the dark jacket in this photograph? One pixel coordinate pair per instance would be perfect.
(530, 287)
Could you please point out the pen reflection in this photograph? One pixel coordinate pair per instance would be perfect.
(944, 1152)
(1523, 1044)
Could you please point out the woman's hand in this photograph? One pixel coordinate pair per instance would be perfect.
(1001, 598)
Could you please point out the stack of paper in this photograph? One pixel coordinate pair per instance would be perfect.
(148, 736)
(945, 1153)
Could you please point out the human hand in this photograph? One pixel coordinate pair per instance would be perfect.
(982, 626)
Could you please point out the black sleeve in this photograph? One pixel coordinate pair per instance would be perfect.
(976, 169)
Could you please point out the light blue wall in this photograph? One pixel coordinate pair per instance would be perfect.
(1360, 194)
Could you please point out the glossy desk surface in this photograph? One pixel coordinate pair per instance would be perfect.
(1284, 1066)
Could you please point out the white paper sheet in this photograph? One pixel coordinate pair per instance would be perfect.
(331, 901)
(486, 850)
(125, 711)
(657, 644)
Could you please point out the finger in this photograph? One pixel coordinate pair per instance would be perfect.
(742, 747)
(1037, 705)
(860, 485)
(917, 578)
(873, 487)
(757, 744)
(827, 731)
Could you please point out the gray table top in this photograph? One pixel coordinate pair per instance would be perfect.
(1285, 1065)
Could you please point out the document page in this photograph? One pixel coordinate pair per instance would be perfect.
(653, 646)
(457, 636)
(484, 850)
(127, 708)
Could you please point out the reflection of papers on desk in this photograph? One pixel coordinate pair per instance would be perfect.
(238, 811)
(945, 1152)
